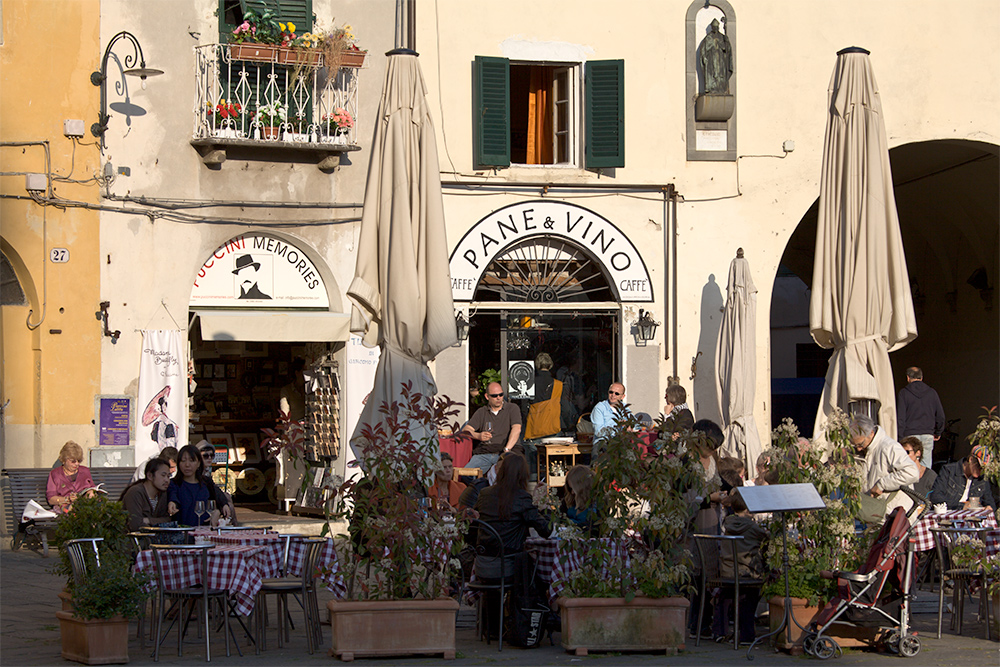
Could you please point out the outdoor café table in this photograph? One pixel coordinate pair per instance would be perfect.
(568, 560)
(232, 568)
(923, 538)
(273, 545)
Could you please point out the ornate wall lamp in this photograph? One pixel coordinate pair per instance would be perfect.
(645, 328)
(100, 78)
(461, 328)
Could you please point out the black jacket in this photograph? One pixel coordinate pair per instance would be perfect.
(950, 485)
(919, 411)
(513, 530)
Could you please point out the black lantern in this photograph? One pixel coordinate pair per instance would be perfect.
(645, 327)
(100, 77)
(461, 327)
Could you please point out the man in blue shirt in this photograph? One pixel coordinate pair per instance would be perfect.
(606, 414)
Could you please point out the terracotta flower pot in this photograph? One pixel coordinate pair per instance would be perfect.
(612, 624)
(352, 58)
(289, 56)
(392, 627)
(94, 642)
(271, 133)
(256, 52)
(846, 637)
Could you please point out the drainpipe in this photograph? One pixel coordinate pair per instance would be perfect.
(670, 276)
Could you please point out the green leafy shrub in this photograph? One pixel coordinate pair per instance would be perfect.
(92, 517)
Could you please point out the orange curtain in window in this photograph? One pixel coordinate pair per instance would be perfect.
(540, 116)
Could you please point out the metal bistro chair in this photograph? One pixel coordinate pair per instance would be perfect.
(490, 547)
(141, 542)
(282, 587)
(701, 541)
(192, 594)
(960, 577)
(78, 552)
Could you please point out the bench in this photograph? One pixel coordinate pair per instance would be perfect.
(24, 484)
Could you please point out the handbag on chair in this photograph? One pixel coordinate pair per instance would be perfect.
(543, 416)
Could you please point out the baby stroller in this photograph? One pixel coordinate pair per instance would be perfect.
(860, 600)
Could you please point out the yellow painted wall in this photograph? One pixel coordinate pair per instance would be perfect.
(48, 49)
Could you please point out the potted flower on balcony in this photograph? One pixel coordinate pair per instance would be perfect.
(257, 38)
(339, 48)
(225, 119)
(626, 590)
(334, 127)
(269, 119)
(402, 562)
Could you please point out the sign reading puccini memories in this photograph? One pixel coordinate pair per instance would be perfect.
(596, 235)
(259, 271)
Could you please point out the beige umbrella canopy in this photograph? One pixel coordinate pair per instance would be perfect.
(736, 358)
(861, 304)
(402, 286)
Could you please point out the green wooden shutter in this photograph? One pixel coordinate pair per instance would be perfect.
(298, 12)
(491, 104)
(604, 113)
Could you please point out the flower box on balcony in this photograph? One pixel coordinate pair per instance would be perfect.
(287, 56)
(352, 58)
(252, 51)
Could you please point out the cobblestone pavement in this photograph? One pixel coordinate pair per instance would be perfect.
(29, 635)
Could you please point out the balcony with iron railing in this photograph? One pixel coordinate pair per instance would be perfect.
(251, 98)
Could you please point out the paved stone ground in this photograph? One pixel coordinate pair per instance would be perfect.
(29, 635)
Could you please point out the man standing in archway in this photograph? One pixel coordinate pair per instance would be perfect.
(919, 413)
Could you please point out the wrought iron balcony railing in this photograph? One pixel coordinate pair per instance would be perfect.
(260, 93)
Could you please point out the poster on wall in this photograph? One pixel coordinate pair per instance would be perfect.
(259, 271)
(114, 419)
(520, 380)
(359, 381)
(162, 397)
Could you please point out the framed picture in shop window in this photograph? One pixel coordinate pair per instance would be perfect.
(247, 447)
(219, 440)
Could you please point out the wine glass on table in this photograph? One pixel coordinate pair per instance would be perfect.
(210, 508)
(199, 510)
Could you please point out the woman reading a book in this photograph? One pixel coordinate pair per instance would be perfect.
(68, 481)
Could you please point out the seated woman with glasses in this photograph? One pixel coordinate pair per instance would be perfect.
(507, 507)
(69, 480)
(915, 450)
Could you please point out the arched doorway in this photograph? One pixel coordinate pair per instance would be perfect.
(947, 198)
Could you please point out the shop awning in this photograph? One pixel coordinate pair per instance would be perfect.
(263, 325)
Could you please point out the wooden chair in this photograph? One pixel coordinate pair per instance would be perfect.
(490, 547)
(960, 576)
(465, 472)
(180, 596)
(701, 542)
(282, 587)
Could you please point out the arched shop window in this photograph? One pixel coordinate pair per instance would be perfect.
(544, 270)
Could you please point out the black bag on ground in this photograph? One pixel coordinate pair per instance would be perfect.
(527, 604)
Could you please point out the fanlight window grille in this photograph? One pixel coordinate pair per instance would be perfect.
(544, 271)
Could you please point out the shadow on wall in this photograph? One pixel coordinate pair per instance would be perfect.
(706, 395)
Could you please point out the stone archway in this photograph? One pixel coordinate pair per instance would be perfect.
(947, 199)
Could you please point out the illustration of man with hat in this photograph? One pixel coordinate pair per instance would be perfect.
(246, 272)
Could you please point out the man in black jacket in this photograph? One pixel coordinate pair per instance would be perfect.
(919, 413)
(958, 482)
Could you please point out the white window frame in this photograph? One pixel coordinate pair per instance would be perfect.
(573, 72)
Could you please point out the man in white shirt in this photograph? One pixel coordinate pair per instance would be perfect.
(886, 467)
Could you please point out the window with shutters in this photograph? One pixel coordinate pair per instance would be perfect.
(549, 114)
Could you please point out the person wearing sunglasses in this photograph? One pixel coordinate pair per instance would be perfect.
(606, 414)
(494, 428)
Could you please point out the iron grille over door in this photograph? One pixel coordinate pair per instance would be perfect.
(544, 270)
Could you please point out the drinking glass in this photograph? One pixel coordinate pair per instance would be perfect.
(210, 506)
(199, 509)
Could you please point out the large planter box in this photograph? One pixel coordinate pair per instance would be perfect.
(251, 51)
(96, 642)
(846, 636)
(392, 627)
(612, 624)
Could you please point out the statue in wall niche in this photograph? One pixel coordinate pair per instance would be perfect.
(716, 60)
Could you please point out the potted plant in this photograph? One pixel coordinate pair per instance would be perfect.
(225, 119)
(339, 48)
(820, 540)
(403, 552)
(94, 619)
(334, 127)
(257, 38)
(627, 591)
(269, 119)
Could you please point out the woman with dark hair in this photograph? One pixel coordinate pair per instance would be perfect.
(508, 508)
(190, 486)
(146, 501)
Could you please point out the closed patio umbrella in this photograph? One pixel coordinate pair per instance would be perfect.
(401, 292)
(737, 365)
(861, 304)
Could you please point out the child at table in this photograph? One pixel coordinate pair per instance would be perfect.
(750, 563)
(190, 486)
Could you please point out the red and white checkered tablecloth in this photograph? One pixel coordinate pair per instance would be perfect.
(230, 567)
(923, 538)
(274, 545)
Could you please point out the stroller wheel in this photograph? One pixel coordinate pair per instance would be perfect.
(892, 641)
(809, 642)
(909, 646)
(824, 648)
